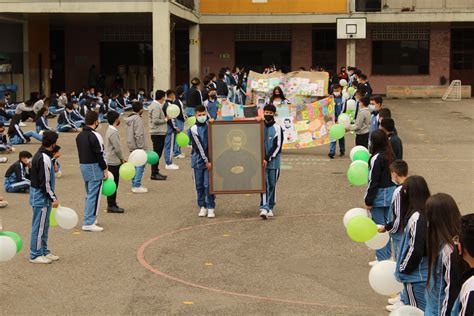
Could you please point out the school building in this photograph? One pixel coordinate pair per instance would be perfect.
(51, 45)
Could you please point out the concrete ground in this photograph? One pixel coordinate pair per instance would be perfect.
(300, 262)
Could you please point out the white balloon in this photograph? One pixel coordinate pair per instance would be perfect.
(7, 248)
(382, 278)
(66, 218)
(353, 212)
(407, 310)
(346, 95)
(379, 241)
(343, 82)
(356, 149)
(351, 105)
(138, 157)
(172, 110)
(111, 176)
(359, 162)
(344, 119)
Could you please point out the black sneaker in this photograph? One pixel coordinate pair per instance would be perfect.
(331, 156)
(162, 175)
(115, 209)
(158, 177)
(342, 154)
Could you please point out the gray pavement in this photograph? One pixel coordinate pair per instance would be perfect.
(291, 264)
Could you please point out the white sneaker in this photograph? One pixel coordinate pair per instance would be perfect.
(180, 156)
(96, 222)
(52, 257)
(139, 190)
(3, 159)
(270, 214)
(41, 260)
(92, 228)
(393, 307)
(210, 213)
(22, 124)
(394, 300)
(172, 167)
(263, 213)
(203, 212)
(373, 263)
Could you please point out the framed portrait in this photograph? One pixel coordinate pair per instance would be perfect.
(236, 151)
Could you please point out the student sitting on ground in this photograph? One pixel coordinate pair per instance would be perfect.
(4, 115)
(17, 136)
(65, 123)
(42, 121)
(25, 110)
(5, 146)
(17, 177)
(76, 117)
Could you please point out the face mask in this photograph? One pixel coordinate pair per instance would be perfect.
(372, 107)
(202, 119)
(28, 161)
(269, 118)
(394, 181)
(227, 72)
(337, 94)
(56, 148)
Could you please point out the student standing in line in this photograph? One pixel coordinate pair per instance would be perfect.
(412, 262)
(362, 124)
(114, 157)
(90, 147)
(374, 107)
(211, 104)
(158, 127)
(171, 132)
(338, 100)
(388, 126)
(179, 121)
(194, 97)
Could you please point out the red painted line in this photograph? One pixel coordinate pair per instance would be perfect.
(141, 259)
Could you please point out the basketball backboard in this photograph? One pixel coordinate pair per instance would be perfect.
(351, 28)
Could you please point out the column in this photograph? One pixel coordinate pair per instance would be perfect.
(351, 53)
(161, 46)
(194, 51)
(26, 63)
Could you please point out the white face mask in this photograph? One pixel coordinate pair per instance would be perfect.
(372, 107)
(337, 94)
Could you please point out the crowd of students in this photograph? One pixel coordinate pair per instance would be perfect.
(432, 244)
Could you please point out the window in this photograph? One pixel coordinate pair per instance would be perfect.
(400, 57)
(462, 48)
(368, 5)
(325, 48)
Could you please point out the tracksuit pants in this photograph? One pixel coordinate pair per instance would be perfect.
(169, 145)
(137, 180)
(93, 177)
(17, 187)
(114, 170)
(268, 199)
(380, 215)
(34, 135)
(40, 223)
(177, 148)
(65, 128)
(158, 146)
(415, 294)
(342, 146)
(201, 180)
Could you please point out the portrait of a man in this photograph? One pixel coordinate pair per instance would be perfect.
(237, 157)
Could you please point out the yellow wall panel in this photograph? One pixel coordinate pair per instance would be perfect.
(272, 6)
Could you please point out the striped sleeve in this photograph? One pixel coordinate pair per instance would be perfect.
(19, 132)
(46, 172)
(198, 143)
(277, 143)
(416, 245)
(393, 226)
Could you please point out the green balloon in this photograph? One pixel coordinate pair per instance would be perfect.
(52, 219)
(361, 228)
(152, 157)
(182, 139)
(109, 187)
(190, 121)
(358, 174)
(127, 171)
(16, 238)
(337, 131)
(351, 90)
(361, 155)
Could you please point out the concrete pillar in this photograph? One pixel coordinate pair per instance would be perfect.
(161, 46)
(26, 63)
(194, 51)
(351, 53)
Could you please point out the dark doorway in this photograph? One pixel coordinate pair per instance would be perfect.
(462, 56)
(258, 55)
(57, 61)
(325, 49)
(181, 38)
(114, 54)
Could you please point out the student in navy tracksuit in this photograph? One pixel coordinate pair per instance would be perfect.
(65, 122)
(201, 164)
(412, 262)
(17, 136)
(374, 107)
(5, 146)
(42, 199)
(76, 117)
(211, 104)
(445, 266)
(42, 121)
(171, 132)
(339, 101)
(17, 177)
(273, 142)
(380, 189)
(179, 120)
(464, 304)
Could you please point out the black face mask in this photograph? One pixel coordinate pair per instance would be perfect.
(269, 118)
(56, 149)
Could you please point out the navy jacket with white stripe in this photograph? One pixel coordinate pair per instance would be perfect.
(199, 140)
(273, 141)
(40, 175)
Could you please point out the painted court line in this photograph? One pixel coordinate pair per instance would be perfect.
(141, 259)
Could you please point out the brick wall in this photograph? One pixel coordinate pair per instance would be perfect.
(439, 61)
(301, 46)
(217, 40)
